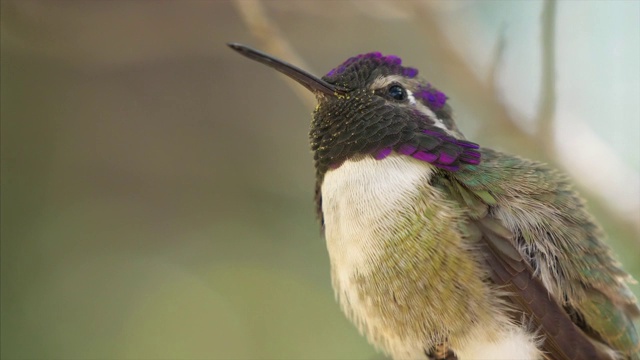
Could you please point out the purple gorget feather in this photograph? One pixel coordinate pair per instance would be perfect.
(448, 154)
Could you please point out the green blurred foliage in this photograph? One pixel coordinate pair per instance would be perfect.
(157, 188)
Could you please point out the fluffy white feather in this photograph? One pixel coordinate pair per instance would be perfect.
(362, 200)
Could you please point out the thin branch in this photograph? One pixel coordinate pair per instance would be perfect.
(271, 39)
(547, 107)
(498, 53)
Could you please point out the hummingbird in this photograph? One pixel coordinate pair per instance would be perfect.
(442, 249)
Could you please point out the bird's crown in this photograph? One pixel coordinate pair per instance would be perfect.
(356, 70)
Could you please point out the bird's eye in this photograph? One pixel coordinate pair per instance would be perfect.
(397, 92)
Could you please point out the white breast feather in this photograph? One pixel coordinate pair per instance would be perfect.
(362, 196)
(358, 199)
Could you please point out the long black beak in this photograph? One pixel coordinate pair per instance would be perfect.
(311, 82)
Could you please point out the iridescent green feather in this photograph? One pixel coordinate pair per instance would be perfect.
(613, 325)
(558, 238)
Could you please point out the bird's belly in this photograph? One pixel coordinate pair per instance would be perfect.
(398, 268)
(363, 204)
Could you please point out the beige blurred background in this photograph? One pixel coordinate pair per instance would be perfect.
(157, 188)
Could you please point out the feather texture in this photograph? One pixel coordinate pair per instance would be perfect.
(542, 245)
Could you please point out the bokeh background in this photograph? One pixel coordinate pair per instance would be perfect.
(157, 187)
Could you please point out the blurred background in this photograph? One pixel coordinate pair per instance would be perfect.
(157, 188)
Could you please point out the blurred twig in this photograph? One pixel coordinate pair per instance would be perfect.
(547, 107)
(273, 41)
(498, 53)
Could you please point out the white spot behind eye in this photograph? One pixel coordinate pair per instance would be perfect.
(412, 99)
(427, 111)
(384, 81)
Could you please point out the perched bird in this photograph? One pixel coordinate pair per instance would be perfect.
(441, 249)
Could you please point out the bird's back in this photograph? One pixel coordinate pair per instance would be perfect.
(559, 240)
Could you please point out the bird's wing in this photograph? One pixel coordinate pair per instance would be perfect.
(567, 284)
